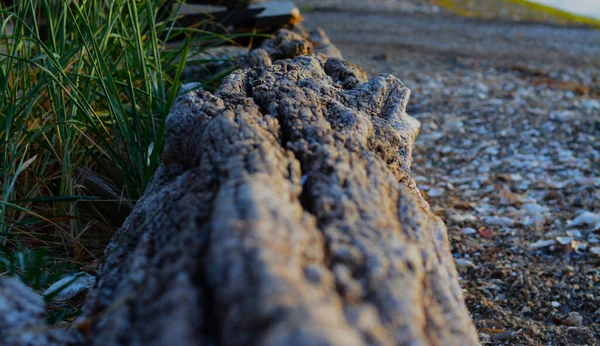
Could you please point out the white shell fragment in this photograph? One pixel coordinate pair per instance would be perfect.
(435, 192)
(586, 218)
(462, 217)
(501, 221)
(595, 251)
(469, 230)
(70, 286)
(574, 233)
(462, 263)
(564, 240)
(542, 243)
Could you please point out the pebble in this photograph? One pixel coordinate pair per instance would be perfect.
(580, 247)
(595, 251)
(574, 233)
(435, 192)
(564, 240)
(503, 336)
(464, 264)
(542, 243)
(508, 197)
(187, 87)
(469, 230)
(589, 105)
(574, 319)
(458, 218)
(455, 125)
(532, 214)
(501, 221)
(586, 218)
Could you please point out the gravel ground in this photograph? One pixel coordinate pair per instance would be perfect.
(508, 156)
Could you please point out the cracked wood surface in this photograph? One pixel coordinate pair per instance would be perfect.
(284, 213)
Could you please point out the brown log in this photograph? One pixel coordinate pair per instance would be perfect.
(22, 318)
(284, 213)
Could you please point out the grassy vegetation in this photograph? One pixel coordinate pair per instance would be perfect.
(523, 10)
(84, 100)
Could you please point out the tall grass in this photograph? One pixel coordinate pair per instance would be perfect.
(83, 101)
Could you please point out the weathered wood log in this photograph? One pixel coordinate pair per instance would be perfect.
(283, 213)
(22, 318)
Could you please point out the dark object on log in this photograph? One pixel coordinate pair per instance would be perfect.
(284, 213)
(229, 4)
(241, 15)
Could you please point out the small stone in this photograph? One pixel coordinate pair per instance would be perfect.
(492, 151)
(455, 125)
(385, 56)
(469, 230)
(542, 243)
(463, 264)
(595, 251)
(577, 202)
(555, 304)
(70, 286)
(486, 232)
(580, 247)
(533, 213)
(503, 336)
(525, 310)
(501, 221)
(458, 218)
(574, 319)
(187, 87)
(590, 105)
(586, 218)
(516, 177)
(508, 197)
(435, 192)
(574, 233)
(564, 240)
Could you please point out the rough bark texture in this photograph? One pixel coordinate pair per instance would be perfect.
(22, 317)
(284, 213)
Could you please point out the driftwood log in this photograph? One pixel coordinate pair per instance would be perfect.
(283, 213)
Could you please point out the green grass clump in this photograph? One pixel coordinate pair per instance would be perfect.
(522, 10)
(86, 97)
